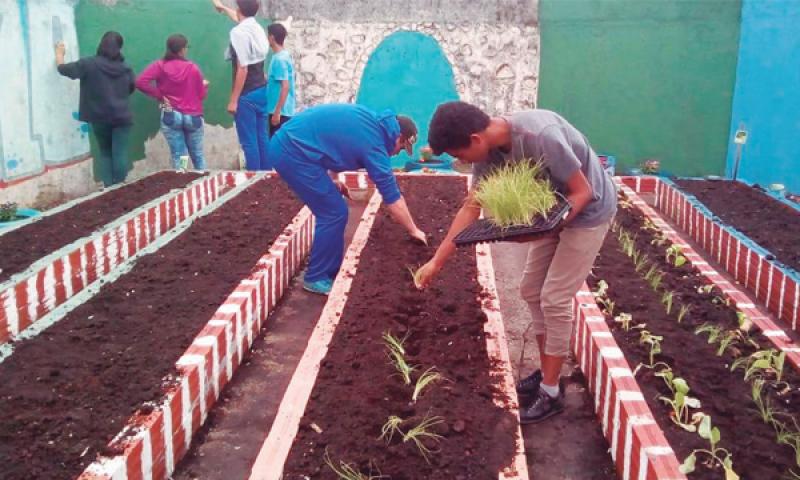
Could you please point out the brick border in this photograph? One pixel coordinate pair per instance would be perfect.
(638, 445)
(743, 302)
(30, 295)
(153, 444)
(774, 285)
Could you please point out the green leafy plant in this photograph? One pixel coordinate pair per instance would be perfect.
(762, 401)
(712, 434)
(649, 226)
(713, 331)
(653, 342)
(601, 297)
(391, 427)
(788, 436)
(706, 289)
(655, 281)
(745, 324)
(422, 432)
(675, 253)
(666, 299)
(396, 352)
(428, 377)
(717, 335)
(640, 263)
(682, 312)
(516, 194)
(681, 402)
(345, 471)
(625, 320)
(761, 363)
(8, 211)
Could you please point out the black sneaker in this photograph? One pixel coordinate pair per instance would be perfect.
(543, 407)
(530, 384)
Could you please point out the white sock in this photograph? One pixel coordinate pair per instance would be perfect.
(551, 390)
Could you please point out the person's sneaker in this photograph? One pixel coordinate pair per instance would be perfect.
(530, 384)
(542, 408)
(320, 287)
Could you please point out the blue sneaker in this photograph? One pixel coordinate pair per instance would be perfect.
(320, 287)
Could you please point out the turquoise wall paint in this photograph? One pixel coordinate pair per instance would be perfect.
(409, 73)
(145, 25)
(767, 95)
(643, 78)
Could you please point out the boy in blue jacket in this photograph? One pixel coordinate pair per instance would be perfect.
(338, 138)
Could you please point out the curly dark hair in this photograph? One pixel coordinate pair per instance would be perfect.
(452, 125)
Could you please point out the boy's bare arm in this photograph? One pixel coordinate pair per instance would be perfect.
(222, 8)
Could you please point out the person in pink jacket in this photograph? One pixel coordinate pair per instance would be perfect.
(178, 85)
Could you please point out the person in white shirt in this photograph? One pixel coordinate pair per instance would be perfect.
(248, 102)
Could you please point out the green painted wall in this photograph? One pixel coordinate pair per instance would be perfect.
(644, 78)
(145, 26)
(409, 73)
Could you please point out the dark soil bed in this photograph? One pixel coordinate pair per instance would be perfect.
(725, 396)
(773, 225)
(23, 246)
(357, 389)
(66, 393)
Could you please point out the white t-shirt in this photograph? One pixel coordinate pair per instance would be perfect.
(249, 40)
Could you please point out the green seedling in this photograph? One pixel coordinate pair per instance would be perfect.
(714, 332)
(650, 272)
(667, 375)
(423, 432)
(762, 363)
(415, 276)
(790, 437)
(676, 254)
(659, 239)
(666, 299)
(744, 322)
(345, 471)
(602, 289)
(655, 281)
(640, 263)
(625, 320)
(681, 402)
(706, 289)
(396, 352)
(762, 401)
(601, 297)
(516, 194)
(712, 434)
(391, 427)
(649, 226)
(428, 377)
(653, 342)
(682, 312)
(717, 300)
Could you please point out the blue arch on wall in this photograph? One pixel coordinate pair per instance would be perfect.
(409, 73)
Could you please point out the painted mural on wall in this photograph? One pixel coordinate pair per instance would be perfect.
(38, 121)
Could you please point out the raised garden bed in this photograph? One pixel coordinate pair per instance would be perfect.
(770, 223)
(638, 299)
(51, 280)
(68, 392)
(51, 232)
(357, 389)
(770, 282)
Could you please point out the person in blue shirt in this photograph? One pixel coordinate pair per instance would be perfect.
(280, 80)
(337, 138)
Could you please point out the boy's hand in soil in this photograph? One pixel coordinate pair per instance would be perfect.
(426, 274)
(420, 237)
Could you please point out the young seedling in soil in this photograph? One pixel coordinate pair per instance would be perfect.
(428, 377)
(761, 363)
(666, 299)
(785, 436)
(396, 353)
(681, 402)
(682, 312)
(415, 276)
(762, 401)
(653, 342)
(624, 319)
(655, 280)
(391, 427)
(422, 433)
(675, 252)
(516, 194)
(706, 289)
(345, 471)
(707, 432)
(640, 263)
(649, 226)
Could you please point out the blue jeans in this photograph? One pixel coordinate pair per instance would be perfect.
(184, 133)
(251, 126)
(316, 189)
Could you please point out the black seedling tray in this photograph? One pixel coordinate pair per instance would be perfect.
(483, 230)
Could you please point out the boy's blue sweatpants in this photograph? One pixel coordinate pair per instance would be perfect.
(315, 188)
(252, 126)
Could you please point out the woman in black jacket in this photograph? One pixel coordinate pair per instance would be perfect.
(106, 83)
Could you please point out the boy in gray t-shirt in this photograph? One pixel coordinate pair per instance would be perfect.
(557, 266)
